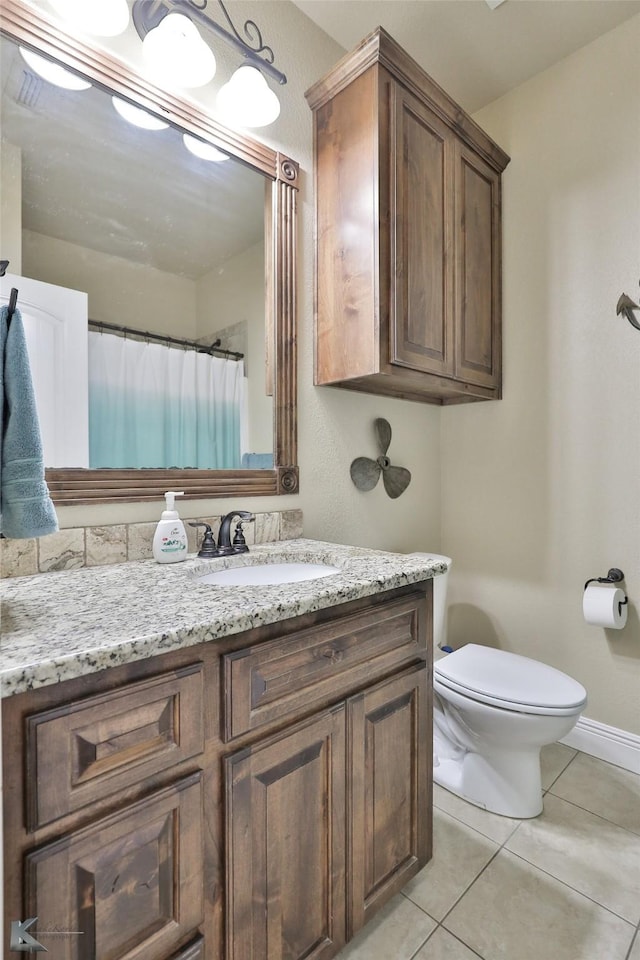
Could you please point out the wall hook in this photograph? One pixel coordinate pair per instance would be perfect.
(626, 306)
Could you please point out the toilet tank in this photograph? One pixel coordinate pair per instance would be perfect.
(440, 584)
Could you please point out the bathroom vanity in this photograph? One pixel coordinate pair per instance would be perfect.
(198, 771)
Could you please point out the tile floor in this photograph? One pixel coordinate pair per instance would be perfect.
(564, 886)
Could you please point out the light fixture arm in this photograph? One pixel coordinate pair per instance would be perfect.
(147, 14)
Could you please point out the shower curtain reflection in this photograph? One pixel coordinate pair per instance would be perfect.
(157, 406)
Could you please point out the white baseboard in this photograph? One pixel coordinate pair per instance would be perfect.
(606, 743)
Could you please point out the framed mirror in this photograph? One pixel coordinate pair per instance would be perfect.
(258, 172)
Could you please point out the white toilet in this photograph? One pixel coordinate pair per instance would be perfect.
(493, 711)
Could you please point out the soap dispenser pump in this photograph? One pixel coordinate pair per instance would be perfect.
(170, 538)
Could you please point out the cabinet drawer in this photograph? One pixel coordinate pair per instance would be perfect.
(275, 679)
(86, 750)
(130, 885)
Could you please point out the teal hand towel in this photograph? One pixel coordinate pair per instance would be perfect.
(26, 509)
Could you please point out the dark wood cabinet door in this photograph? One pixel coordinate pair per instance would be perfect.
(389, 736)
(129, 886)
(478, 267)
(285, 844)
(421, 236)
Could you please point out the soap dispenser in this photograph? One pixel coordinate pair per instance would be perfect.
(170, 538)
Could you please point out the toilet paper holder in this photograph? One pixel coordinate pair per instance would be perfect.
(613, 576)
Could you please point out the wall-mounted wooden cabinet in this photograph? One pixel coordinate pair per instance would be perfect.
(408, 255)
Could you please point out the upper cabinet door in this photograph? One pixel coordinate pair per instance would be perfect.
(477, 260)
(421, 236)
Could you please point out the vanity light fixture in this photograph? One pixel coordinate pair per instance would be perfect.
(175, 51)
(246, 100)
(205, 151)
(102, 18)
(53, 72)
(136, 116)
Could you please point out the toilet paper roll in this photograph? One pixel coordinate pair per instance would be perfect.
(601, 605)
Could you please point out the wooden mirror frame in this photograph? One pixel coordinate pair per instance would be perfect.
(69, 486)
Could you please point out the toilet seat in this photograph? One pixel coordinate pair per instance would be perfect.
(509, 681)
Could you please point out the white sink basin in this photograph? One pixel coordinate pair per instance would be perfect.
(268, 573)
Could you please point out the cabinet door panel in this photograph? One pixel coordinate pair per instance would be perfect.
(346, 188)
(478, 282)
(285, 844)
(390, 741)
(131, 884)
(422, 291)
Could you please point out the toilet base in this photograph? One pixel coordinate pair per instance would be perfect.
(504, 783)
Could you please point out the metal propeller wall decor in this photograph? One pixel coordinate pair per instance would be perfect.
(365, 472)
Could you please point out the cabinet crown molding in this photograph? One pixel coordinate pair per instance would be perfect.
(379, 47)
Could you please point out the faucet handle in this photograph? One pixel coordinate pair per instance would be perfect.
(239, 543)
(208, 547)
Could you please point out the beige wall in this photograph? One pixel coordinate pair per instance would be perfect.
(11, 205)
(542, 490)
(536, 493)
(120, 291)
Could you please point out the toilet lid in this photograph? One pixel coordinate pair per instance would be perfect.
(488, 674)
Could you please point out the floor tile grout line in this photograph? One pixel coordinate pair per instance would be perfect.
(478, 875)
(467, 888)
(580, 893)
(564, 770)
(475, 829)
(448, 932)
(635, 937)
(501, 847)
(635, 833)
(426, 939)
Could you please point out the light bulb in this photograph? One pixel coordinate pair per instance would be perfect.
(138, 117)
(246, 100)
(53, 72)
(175, 53)
(205, 151)
(103, 18)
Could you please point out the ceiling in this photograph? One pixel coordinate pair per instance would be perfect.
(475, 53)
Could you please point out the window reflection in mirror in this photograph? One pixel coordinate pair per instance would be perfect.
(159, 240)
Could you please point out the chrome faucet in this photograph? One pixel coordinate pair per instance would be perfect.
(225, 547)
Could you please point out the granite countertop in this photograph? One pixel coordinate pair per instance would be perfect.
(56, 626)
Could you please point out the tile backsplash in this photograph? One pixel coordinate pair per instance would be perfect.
(96, 546)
